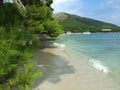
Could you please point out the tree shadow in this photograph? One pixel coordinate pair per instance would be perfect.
(47, 44)
(53, 67)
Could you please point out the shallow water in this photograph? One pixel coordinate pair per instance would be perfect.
(102, 50)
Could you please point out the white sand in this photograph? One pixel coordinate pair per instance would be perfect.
(64, 73)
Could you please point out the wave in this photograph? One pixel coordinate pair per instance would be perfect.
(99, 65)
(62, 46)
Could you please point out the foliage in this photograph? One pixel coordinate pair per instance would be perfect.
(40, 21)
(52, 28)
(10, 17)
(16, 68)
(18, 41)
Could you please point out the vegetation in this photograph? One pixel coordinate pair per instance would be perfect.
(76, 24)
(18, 41)
(39, 20)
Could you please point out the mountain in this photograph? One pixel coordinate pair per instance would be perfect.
(76, 24)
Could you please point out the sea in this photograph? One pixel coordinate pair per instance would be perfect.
(102, 50)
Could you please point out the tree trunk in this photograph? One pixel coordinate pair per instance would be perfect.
(19, 3)
(1, 2)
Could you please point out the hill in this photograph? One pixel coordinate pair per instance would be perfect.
(76, 24)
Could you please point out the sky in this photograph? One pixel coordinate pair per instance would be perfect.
(103, 10)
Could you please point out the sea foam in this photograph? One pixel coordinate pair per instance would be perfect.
(99, 65)
(62, 46)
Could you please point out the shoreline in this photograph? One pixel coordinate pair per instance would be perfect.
(90, 33)
(61, 72)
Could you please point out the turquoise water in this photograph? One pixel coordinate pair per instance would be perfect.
(103, 50)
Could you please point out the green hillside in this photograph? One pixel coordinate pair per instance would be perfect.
(76, 23)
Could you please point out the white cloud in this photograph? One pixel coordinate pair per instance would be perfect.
(113, 3)
(109, 10)
(69, 6)
(112, 13)
(61, 1)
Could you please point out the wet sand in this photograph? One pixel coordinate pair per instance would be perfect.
(61, 72)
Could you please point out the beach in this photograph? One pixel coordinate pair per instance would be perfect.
(62, 72)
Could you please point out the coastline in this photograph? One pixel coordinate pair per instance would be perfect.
(62, 72)
(90, 33)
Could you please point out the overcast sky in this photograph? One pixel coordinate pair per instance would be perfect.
(103, 10)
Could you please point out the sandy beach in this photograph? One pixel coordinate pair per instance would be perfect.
(62, 72)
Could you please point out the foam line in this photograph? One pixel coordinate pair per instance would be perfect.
(99, 65)
(62, 46)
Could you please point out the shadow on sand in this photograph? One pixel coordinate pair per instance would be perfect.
(53, 67)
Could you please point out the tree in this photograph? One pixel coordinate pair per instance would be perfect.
(40, 20)
(48, 2)
(18, 41)
(52, 28)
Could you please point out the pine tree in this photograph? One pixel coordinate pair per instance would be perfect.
(18, 41)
